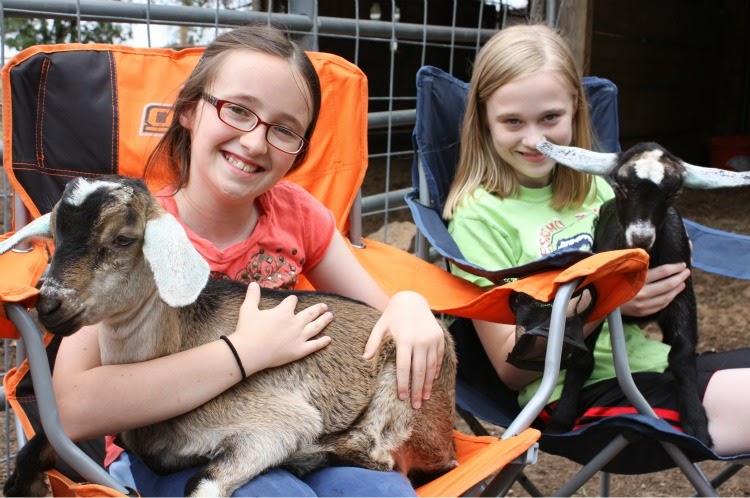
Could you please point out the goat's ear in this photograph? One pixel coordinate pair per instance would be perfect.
(179, 270)
(585, 161)
(38, 228)
(708, 178)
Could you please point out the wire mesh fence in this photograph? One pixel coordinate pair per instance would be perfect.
(388, 39)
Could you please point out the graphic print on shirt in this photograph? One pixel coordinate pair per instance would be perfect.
(557, 235)
(272, 271)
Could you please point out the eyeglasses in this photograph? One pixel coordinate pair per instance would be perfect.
(243, 119)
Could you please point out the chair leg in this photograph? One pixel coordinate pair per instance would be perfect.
(724, 475)
(691, 470)
(605, 479)
(529, 486)
(474, 424)
(595, 465)
(501, 484)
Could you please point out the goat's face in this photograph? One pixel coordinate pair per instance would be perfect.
(98, 228)
(646, 182)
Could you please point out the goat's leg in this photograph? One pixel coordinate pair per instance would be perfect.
(264, 434)
(578, 371)
(692, 413)
(563, 415)
(422, 438)
(679, 325)
(32, 460)
(243, 456)
(381, 430)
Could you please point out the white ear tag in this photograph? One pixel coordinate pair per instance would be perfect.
(179, 270)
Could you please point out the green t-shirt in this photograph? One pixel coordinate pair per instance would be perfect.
(499, 233)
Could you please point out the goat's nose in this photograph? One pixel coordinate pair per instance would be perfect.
(640, 235)
(642, 242)
(48, 304)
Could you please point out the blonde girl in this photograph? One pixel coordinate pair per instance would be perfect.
(510, 205)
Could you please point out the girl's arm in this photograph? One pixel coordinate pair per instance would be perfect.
(407, 319)
(143, 393)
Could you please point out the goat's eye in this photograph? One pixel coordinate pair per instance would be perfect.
(122, 241)
(672, 198)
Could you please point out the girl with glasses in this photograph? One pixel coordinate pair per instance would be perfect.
(242, 121)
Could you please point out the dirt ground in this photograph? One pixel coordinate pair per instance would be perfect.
(724, 317)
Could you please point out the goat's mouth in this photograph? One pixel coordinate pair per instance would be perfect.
(58, 324)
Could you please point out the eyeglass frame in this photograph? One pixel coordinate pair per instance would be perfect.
(219, 103)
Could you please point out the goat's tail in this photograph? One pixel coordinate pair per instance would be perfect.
(27, 478)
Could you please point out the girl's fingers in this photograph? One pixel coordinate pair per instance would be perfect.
(403, 371)
(313, 345)
(319, 323)
(252, 296)
(312, 313)
(430, 373)
(418, 378)
(373, 343)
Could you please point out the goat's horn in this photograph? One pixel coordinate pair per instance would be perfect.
(707, 178)
(585, 161)
(37, 228)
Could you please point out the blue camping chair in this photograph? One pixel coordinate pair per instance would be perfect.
(608, 445)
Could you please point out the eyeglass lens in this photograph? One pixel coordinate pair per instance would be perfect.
(279, 136)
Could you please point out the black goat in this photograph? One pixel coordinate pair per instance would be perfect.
(647, 180)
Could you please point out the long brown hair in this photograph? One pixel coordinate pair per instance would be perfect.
(514, 53)
(173, 149)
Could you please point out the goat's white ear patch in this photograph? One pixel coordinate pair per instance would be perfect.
(37, 228)
(179, 270)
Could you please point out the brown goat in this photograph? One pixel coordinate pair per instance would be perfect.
(121, 261)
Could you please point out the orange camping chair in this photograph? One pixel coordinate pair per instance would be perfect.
(59, 126)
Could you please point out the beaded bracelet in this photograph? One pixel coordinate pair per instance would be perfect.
(236, 355)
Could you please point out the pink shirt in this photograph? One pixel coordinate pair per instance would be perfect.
(292, 235)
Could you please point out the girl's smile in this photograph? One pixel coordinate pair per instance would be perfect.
(240, 164)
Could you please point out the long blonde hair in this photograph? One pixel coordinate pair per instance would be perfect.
(514, 53)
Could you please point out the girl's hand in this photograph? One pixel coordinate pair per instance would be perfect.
(276, 336)
(663, 283)
(419, 340)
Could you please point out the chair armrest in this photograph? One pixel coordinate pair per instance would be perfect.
(41, 377)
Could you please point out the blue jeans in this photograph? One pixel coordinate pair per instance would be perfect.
(329, 481)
